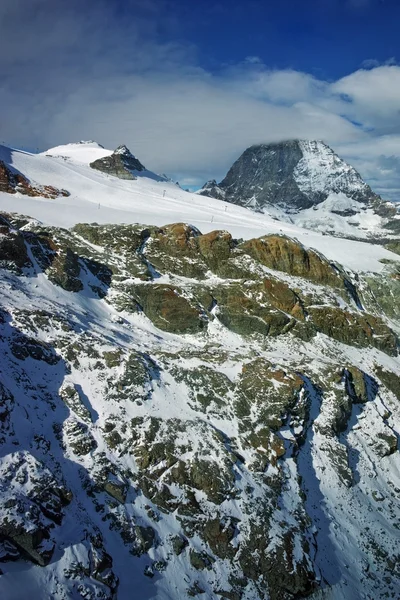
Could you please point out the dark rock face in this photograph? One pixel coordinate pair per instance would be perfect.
(120, 164)
(295, 175)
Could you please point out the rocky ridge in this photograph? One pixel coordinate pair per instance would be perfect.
(225, 408)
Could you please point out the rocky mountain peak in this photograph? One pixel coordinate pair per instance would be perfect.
(123, 150)
(121, 163)
(293, 174)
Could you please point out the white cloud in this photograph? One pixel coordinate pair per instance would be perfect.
(74, 74)
(374, 96)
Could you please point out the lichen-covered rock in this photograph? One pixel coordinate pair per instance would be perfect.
(135, 382)
(381, 293)
(208, 389)
(389, 379)
(169, 309)
(173, 249)
(200, 560)
(219, 535)
(272, 391)
(284, 254)
(356, 329)
(145, 539)
(226, 457)
(247, 310)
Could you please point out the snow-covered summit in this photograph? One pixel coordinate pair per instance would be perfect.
(123, 150)
(82, 152)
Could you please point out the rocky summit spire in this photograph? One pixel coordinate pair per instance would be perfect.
(121, 163)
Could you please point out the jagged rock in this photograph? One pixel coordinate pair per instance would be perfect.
(145, 538)
(72, 399)
(120, 164)
(24, 347)
(13, 251)
(31, 502)
(297, 174)
(79, 437)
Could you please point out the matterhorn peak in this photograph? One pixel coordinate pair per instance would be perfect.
(293, 175)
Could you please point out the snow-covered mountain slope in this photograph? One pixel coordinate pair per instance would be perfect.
(81, 152)
(187, 414)
(97, 197)
(306, 183)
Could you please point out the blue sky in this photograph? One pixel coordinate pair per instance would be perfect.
(188, 86)
(329, 38)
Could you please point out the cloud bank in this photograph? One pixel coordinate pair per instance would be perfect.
(109, 72)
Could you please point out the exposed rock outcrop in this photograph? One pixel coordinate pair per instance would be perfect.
(121, 163)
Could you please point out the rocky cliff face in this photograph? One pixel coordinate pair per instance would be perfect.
(121, 163)
(194, 416)
(296, 174)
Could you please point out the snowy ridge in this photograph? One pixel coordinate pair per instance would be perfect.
(81, 152)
